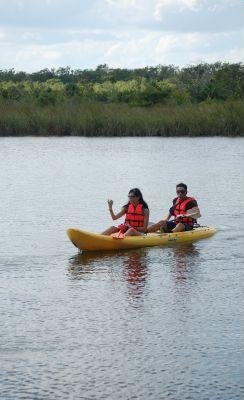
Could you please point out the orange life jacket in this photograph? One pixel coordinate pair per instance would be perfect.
(135, 216)
(180, 208)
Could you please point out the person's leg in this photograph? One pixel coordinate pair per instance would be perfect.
(156, 227)
(110, 230)
(179, 228)
(133, 232)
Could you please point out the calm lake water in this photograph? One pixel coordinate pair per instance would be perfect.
(157, 323)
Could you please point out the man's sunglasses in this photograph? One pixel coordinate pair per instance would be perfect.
(180, 191)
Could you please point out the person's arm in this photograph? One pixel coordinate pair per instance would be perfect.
(168, 216)
(171, 211)
(146, 220)
(192, 210)
(113, 215)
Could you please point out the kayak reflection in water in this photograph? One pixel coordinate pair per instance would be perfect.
(185, 211)
(136, 216)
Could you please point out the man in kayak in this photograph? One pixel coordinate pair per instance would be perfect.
(184, 210)
(136, 216)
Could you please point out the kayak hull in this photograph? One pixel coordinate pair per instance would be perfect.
(88, 241)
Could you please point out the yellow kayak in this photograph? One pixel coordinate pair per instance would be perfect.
(94, 241)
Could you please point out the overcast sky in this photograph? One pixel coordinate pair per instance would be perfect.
(37, 34)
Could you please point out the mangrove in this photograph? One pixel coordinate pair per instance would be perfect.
(200, 100)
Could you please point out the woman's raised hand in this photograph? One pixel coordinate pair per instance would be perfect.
(110, 203)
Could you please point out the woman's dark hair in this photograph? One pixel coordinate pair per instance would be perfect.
(137, 193)
(182, 185)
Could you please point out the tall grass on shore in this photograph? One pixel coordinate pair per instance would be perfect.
(101, 119)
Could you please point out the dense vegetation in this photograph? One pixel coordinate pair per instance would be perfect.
(206, 99)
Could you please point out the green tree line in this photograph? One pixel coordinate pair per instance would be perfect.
(200, 100)
(142, 87)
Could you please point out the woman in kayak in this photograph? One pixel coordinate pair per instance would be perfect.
(184, 210)
(136, 215)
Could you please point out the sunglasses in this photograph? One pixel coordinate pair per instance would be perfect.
(131, 196)
(180, 191)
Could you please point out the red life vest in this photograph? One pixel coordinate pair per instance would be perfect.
(180, 208)
(135, 216)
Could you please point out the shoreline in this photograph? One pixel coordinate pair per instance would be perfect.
(96, 119)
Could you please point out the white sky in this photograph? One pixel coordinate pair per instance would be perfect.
(37, 34)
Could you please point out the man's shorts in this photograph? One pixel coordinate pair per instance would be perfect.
(171, 225)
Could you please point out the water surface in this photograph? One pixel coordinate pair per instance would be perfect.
(155, 323)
